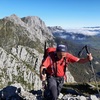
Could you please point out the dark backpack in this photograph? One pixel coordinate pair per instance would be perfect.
(49, 51)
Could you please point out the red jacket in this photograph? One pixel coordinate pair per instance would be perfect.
(57, 66)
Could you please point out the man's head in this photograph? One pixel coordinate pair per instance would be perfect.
(61, 48)
(61, 51)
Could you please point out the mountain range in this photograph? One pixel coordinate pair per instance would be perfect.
(87, 35)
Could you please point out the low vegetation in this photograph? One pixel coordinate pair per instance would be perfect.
(81, 88)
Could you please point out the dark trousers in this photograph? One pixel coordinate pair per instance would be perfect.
(55, 85)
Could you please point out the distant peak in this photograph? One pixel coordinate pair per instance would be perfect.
(33, 21)
(56, 27)
(13, 16)
(59, 27)
(31, 18)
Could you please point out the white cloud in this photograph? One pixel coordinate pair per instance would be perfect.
(85, 31)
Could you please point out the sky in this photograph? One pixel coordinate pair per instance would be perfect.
(64, 13)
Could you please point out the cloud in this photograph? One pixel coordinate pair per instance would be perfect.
(85, 31)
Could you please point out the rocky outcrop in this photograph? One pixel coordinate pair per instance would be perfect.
(19, 66)
(16, 92)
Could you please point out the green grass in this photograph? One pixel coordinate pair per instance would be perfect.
(81, 88)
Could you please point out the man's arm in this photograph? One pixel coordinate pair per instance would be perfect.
(43, 67)
(84, 60)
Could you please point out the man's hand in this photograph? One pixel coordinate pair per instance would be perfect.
(43, 77)
(87, 59)
(89, 56)
(42, 73)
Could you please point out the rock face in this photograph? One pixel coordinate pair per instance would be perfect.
(19, 66)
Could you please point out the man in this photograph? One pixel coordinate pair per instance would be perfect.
(55, 68)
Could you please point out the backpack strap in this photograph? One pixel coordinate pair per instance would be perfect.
(54, 64)
(65, 64)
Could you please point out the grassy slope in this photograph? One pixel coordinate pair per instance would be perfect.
(81, 88)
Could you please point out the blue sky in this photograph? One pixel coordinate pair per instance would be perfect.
(64, 13)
